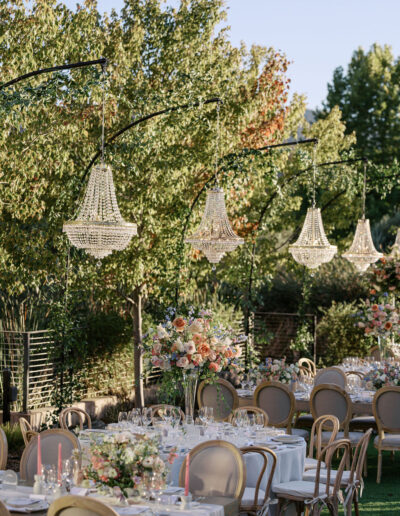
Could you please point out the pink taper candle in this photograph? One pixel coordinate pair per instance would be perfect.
(187, 475)
(39, 457)
(59, 464)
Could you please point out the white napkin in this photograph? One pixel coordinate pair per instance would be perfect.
(80, 491)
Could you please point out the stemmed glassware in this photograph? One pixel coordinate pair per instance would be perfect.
(146, 416)
(123, 419)
(206, 415)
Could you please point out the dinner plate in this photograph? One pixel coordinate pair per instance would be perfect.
(287, 439)
(20, 502)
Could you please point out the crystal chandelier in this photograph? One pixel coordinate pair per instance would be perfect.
(312, 247)
(99, 228)
(362, 251)
(215, 236)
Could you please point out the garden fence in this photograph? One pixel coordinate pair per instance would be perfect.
(29, 357)
(273, 332)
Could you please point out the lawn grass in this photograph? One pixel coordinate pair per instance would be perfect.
(384, 498)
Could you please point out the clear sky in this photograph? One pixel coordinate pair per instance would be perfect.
(316, 35)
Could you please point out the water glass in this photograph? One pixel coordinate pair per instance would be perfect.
(123, 418)
(146, 416)
(175, 416)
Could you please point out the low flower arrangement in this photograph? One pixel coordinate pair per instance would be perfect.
(192, 343)
(381, 376)
(121, 462)
(275, 370)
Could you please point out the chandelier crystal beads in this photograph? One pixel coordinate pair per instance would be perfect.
(362, 251)
(99, 227)
(215, 236)
(312, 247)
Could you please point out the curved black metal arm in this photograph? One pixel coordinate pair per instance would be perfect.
(262, 214)
(143, 119)
(81, 64)
(210, 180)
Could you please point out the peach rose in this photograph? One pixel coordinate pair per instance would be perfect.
(179, 323)
(228, 353)
(374, 308)
(213, 367)
(212, 356)
(388, 325)
(197, 339)
(204, 350)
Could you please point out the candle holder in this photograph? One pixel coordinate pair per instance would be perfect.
(186, 501)
(38, 485)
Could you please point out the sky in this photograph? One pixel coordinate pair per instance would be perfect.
(316, 35)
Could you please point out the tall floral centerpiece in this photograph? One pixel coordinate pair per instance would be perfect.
(193, 347)
(379, 315)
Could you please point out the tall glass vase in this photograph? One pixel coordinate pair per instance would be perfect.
(190, 386)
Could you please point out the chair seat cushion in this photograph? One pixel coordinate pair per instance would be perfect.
(248, 496)
(363, 420)
(389, 440)
(353, 436)
(230, 505)
(299, 489)
(309, 476)
(301, 433)
(312, 464)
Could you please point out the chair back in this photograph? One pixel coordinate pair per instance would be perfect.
(359, 455)
(322, 423)
(277, 401)
(220, 395)
(80, 415)
(25, 427)
(3, 510)
(3, 449)
(49, 446)
(333, 375)
(216, 469)
(386, 410)
(72, 505)
(156, 409)
(329, 399)
(250, 409)
(340, 447)
(268, 457)
(309, 365)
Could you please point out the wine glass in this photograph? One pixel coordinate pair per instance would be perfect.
(175, 416)
(157, 486)
(66, 473)
(146, 416)
(259, 421)
(122, 418)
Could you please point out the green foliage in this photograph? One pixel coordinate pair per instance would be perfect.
(339, 336)
(304, 341)
(14, 437)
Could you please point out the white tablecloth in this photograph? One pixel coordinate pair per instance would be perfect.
(7, 492)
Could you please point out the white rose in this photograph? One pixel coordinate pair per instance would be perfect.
(190, 347)
(148, 462)
(162, 332)
(179, 345)
(111, 473)
(195, 327)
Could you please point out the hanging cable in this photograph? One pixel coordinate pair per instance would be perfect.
(217, 146)
(314, 172)
(364, 189)
(103, 99)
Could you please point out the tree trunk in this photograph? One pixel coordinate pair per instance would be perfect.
(137, 347)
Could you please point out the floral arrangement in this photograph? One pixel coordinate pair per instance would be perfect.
(385, 276)
(380, 376)
(380, 320)
(276, 370)
(194, 343)
(120, 461)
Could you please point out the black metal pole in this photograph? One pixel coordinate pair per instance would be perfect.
(81, 64)
(6, 395)
(204, 187)
(268, 203)
(139, 121)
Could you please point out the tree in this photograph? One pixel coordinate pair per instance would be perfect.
(368, 95)
(158, 57)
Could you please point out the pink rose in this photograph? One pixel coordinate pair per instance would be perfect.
(183, 362)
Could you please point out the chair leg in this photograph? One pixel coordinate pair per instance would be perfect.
(379, 472)
(356, 506)
(365, 466)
